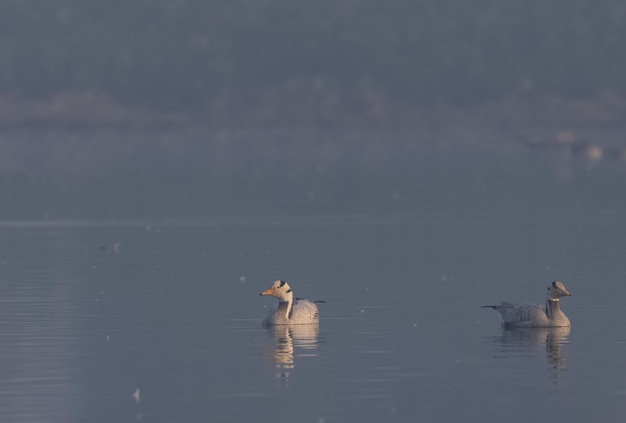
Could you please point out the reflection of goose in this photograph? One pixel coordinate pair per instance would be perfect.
(304, 337)
(300, 312)
(526, 338)
(289, 339)
(535, 316)
(535, 336)
(555, 338)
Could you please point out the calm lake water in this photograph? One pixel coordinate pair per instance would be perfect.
(132, 262)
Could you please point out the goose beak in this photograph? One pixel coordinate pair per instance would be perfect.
(267, 292)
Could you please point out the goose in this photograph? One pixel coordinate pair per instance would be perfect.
(535, 316)
(290, 312)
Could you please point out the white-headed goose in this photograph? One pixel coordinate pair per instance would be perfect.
(535, 316)
(290, 312)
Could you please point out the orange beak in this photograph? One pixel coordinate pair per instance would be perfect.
(268, 291)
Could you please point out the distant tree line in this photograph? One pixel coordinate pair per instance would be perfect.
(178, 54)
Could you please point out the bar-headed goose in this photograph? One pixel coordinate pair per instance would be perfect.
(535, 316)
(290, 312)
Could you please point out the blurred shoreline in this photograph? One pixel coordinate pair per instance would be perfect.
(302, 108)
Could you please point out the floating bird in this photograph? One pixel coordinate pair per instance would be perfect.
(535, 316)
(290, 312)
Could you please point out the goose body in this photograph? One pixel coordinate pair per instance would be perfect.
(290, 311)
(535, 316)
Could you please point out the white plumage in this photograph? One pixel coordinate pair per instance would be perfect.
(290, 311)
(535, 316)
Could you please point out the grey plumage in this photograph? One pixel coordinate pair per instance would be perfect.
(531, 315)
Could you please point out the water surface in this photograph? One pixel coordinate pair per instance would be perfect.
(140, 294)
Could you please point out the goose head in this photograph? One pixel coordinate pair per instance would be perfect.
(557, 290)
(281, 290)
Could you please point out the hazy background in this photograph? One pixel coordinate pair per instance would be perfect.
(162, 161)
(332, 63)
(268, 102)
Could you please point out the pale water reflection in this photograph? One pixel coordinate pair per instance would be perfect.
(551, 342)
(293, 343)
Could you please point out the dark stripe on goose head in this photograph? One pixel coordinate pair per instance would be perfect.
(289, 290)
(554, 284)
(282, 283)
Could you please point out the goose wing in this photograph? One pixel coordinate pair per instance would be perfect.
(521, 315)
(304, 311)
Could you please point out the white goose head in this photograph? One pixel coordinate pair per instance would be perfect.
(557, 290)
(281, 290)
